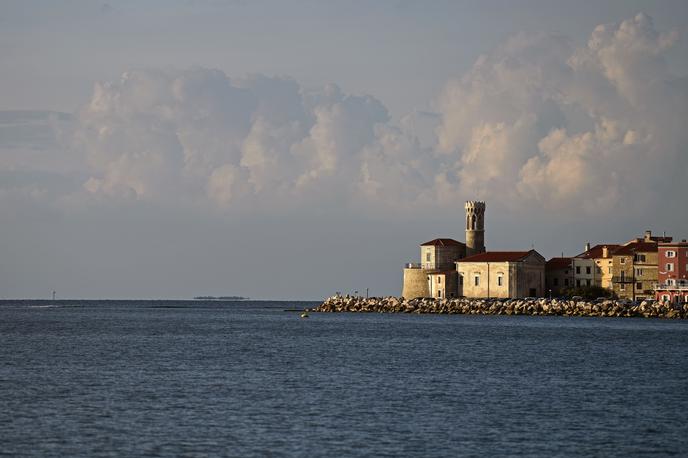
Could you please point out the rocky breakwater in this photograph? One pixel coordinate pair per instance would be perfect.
(538, 307)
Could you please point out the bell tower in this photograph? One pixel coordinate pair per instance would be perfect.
(475, 227)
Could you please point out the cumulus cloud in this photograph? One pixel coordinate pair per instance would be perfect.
(197, 133)
(540, 122)
(537, 122)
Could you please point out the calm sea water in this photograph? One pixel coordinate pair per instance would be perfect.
(175, 378)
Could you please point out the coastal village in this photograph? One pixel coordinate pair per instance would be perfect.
(645, 268)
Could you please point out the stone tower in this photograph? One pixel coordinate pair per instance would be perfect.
(475, 227)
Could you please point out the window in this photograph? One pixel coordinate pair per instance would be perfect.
(638, 272)
(428, 256)
(460, 279)
(622, 287)
(640, 258)
(578, 282)
(609, 270)
(587, 270)
(555, 281)
(670, 267)
(587, 282)
(670, 282)
(439, 293)
(670, 254)
(665, 297)
(439, 279)
(577, 269)
(622, 260)
(639, 285)
(476, 280)
(500, 280)
(566, 282)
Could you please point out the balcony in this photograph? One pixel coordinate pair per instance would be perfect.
(623, 280)
(413, 265)
(665, 287)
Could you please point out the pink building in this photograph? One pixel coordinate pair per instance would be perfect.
(672, 272)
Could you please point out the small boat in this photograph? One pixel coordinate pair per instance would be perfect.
(304, 314)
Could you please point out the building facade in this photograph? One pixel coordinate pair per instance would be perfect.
(594, 266)
(502, 274)
(441, 254)
(438, 258)
(475, 227)
(443, 284)
(634, 267)
(672, 272)
(558, 275)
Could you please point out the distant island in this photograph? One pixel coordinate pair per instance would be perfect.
(221, 298)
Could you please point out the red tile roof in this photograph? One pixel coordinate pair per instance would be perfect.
(558, 263)
(497, 256)
(443, 242)
(637, 247)
(596, 251)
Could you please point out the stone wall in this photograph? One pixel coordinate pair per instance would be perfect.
(540, 307)
(415, 283)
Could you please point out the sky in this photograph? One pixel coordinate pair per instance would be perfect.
(288, 150)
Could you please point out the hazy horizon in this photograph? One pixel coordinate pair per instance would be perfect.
(288, 150)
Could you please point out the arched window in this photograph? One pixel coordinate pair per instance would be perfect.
(473, 222)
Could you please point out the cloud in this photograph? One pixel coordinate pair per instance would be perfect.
(540, 123)
(537, 122)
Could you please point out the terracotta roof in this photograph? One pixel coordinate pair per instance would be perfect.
(443, 242)
(637, 247)
(673, 244)
(558, 263)
(497, 256)
(596, 251)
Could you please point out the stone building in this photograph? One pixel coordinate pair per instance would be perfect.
(443, 283)
(440, 254)
(502, 274)
(634, 267)
(672, 275)
(558, 275)
(475, 227)
(594, 266)
(438, 257)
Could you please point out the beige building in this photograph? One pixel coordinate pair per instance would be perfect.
(502, 274)
(634, 267)
(438, 257)
(594, 266)
(635, 270)
(441, 254)
(443, 284)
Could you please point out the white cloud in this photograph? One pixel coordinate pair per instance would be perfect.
(535, 123)
(539, 123)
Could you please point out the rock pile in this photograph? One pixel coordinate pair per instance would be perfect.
(541, 306)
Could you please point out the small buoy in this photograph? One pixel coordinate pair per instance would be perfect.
(304, 314)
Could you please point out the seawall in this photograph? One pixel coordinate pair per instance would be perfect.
(536, 307)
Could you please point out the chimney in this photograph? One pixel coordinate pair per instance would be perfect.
(605, 251)
(648, 236)
(587, 246)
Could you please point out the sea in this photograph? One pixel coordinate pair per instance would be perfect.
(253, 379)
